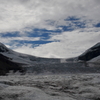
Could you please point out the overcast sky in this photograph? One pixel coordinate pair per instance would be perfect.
(56, 28)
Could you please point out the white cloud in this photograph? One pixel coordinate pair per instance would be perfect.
(71, 44)
(16, 15)
(10, 39)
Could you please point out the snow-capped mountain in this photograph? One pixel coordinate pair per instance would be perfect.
(20, 58)
(92, 55)
(11, 60)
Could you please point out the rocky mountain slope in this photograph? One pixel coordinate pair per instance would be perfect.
(11, 60)
(90, 53)
(91, 56)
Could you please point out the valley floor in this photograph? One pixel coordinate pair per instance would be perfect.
(50, 87)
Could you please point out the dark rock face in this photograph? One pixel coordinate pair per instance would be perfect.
(6, 65)
(3, 48)
(90, 53)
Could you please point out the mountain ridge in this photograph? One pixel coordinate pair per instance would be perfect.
(90, 53)
(11, 60)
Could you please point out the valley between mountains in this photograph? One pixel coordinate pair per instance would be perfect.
(27, 77)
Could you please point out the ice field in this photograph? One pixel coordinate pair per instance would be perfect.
(50, 87)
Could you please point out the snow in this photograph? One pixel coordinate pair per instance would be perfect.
(50, 87)
(25, 59)
(17, 58)
(96, 59)
(95, 62)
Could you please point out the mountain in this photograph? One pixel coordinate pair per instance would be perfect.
(7, 60)
(11, 60)
(92, 55)
(6, 65)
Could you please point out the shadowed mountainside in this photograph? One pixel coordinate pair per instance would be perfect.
(90, 53)
(6, 65)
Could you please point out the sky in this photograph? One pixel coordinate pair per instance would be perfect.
(52, 29)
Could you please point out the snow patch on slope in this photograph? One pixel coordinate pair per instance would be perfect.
(96, 59)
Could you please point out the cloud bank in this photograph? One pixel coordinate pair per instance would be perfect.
(70, 44)
(17, 15)
(72, 26)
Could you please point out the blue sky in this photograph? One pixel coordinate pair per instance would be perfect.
(56, 29)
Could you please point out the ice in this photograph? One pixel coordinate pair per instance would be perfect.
(50, 87)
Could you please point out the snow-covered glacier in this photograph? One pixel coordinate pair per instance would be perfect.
(50, 87)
